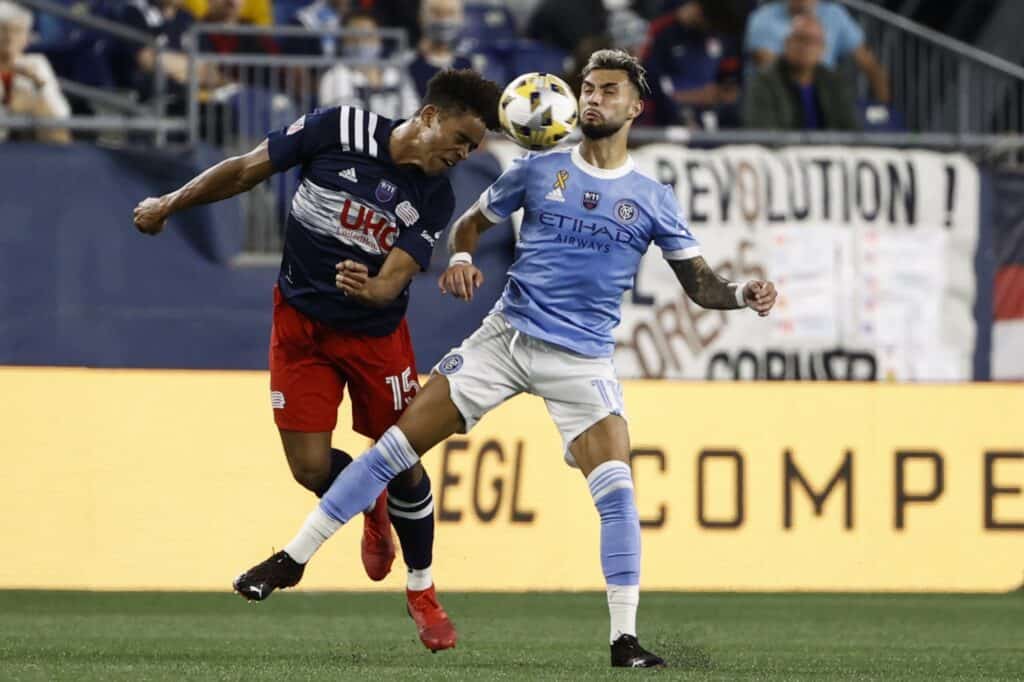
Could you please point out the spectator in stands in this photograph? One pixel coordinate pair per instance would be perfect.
(567, 23)
(441, 23)
(256, 12)
(134, 65)
(230, 12)
(28, 85)
(365, 82)
(628, 31)
(325, 17)
(797, 91)
(693, 60)
(769, 26)
(404, 14)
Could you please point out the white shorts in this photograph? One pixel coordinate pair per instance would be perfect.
(498, 362)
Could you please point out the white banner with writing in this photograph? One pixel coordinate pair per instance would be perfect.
(872, 251)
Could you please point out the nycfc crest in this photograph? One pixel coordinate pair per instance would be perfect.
(385, 191)
(450, 365)
(626, 211)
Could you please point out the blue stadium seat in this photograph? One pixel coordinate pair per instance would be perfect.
(487, 24)
(530, 55)
(493, 62)
(284, 10)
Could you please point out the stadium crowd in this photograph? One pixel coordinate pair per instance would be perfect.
(778, 64)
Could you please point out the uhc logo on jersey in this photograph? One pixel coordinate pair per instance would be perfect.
(361, 225)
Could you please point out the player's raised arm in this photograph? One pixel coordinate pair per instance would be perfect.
(707, 289)
(497, 203)
(462, 277)
(226, 179)
(701, 284)
(398, 270)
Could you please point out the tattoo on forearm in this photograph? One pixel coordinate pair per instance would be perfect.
(703, 286)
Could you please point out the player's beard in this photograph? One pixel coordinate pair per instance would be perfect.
(599, 131)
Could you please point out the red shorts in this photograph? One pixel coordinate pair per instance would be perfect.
(310, 364)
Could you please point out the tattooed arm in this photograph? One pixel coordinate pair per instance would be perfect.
(708, 290)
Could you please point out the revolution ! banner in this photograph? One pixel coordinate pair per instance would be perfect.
(872, 251)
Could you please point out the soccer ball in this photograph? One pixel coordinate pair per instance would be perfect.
(537, 110)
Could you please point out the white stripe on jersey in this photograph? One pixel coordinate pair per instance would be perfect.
(357, 144)
(319, 210)
(371, 126)
(345, 142)
(363, 125)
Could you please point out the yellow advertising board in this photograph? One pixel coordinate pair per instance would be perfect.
(130, 479)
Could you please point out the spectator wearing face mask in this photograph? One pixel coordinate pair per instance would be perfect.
(361, 80)
(441, 24)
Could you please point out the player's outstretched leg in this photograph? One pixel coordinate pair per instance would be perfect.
(411, 506)
(355, 488)
(430, 418)
(377, 547)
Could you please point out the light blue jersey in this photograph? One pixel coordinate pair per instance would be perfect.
(584, 231)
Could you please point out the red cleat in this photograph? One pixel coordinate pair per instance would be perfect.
(436, 631)
(378, 547)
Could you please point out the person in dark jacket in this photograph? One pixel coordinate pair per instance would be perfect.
(797, 91)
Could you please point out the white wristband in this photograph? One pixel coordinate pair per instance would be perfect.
(464, 257)
(741, 301)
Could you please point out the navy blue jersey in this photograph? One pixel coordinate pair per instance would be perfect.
(353, 203)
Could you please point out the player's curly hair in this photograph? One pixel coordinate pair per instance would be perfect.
(465, 90)
(619, 60)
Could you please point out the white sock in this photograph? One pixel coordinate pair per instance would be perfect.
(622, 603)
(419, 579)
(315, 532)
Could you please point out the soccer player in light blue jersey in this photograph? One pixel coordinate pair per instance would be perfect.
(589, 216)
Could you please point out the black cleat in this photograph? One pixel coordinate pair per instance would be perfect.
(276, 573)
(627, 653)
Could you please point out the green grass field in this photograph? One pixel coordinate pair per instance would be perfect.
(305, 636)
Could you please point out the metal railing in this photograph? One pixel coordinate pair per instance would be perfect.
(149, 117)
(940, 84)
(236, 99)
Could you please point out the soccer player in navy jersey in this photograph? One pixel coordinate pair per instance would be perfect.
(372, 202)
(589, 216)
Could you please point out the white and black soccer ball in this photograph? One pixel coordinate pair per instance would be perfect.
(538, 110)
